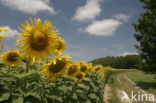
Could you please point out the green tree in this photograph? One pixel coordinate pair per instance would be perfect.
(121, 62)
(146, 35)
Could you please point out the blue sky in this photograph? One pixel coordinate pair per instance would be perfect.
(91, 28)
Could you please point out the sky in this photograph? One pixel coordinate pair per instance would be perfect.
(91, 28)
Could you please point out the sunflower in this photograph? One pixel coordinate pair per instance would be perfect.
(56, 67)
(101, 72)
(12, 57)
(84, 67)
(60, 46)
(97, 68)
(73, 69)
(90, 66)
(80, 76)
(38, 41)
(108, 68)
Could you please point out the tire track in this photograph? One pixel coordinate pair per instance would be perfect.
(106, 94)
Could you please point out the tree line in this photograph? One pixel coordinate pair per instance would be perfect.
(120, 62)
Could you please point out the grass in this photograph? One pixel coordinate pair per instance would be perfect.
(145, 81)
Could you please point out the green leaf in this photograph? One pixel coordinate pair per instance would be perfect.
(65, 88)
(18, 100)
(4, 96)
(74, 96)
(93, 96)
(88, 101)
(83, 86)
(53, 97)
(87, 79)
(79, 91)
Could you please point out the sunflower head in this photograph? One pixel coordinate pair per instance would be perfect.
(56, 67)
(80, 76)
(90, 66)
(39, 41)
(101, 73)
(97, 68)
(108, 68)
(73, 69)
(12, 57)
(85, 67)
(60, 46)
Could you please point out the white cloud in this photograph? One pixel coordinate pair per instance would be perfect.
(29, 6)
(81, 30)
(89, 11)
(10, 33)
(106, 27)
(129, 53)
(122, 17)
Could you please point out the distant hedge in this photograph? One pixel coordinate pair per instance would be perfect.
(121, 62)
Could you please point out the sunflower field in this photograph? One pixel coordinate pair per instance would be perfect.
(37, 72)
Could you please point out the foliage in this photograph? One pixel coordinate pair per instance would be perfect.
(128, 61)
(31, 87)
(146, 35)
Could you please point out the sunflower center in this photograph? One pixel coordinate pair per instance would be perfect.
(79, 76)
(83, 68)
(39, 41)
(12, 57)
(71, 70)
(56, 68)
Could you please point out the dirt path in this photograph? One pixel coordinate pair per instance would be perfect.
(118, 79)
(120, 92)
(106, 94)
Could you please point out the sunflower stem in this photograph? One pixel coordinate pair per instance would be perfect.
(27, 65)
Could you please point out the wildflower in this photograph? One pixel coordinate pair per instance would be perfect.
(38, 41)
(60, 46)
(12, 57)
(84, 67)
(73, 69)
(97, 68)
(80, 76)
(56, 67)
